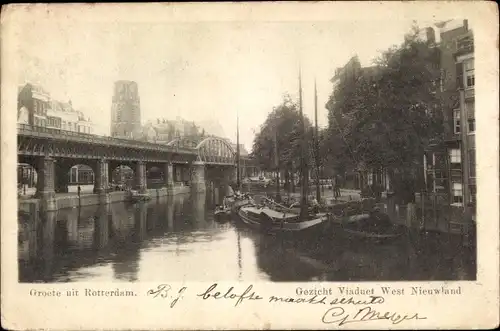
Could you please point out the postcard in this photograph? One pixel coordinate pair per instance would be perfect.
(274, 165)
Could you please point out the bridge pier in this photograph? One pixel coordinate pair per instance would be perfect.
(229, 179)
(61, 177)
(101, 227)
(198, 204)
(45, 184)
(232, 175)
(198, 177)
(101, 180)
(168, 176)
(140, 177)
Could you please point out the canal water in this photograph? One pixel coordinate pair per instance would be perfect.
(177, 239)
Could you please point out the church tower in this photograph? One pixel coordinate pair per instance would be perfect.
(126, 110)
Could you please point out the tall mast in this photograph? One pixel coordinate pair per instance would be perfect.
(303, 165)
(238, 183)
(239, 255)
(277, 164)
(316, 141)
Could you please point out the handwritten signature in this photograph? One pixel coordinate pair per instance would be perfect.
(164, 291)
(338, 315)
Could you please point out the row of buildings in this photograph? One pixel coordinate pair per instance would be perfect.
(36, 107)
(126, 120)
(449, 168)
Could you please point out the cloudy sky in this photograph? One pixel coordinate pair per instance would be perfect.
(198, 71)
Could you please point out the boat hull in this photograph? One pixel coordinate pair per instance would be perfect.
(283, 228)
(347, 231)
(222, 216)
(235, 206)
(135, 199)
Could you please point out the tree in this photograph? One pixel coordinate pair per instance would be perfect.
(277, 144)
(388, 115)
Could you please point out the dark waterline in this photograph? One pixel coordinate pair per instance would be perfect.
(176, 239)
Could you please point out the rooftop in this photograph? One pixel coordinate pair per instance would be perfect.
(465, 44)
(34, 88)
(449, 25)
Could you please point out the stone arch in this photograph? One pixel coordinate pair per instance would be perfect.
(27, 175)
(155, 170)
(82, 175)
(68, 173)
(155, 175)
(121, 174)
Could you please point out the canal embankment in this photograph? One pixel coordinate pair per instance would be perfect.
(63, 201)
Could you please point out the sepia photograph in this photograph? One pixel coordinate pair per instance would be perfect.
(283, 160)
(163, 152)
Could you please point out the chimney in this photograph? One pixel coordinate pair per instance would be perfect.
(466, 25)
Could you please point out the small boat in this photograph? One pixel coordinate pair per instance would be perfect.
(375, 226)
(222, 213)
(135, 196)
(271, 221)
(235, 202)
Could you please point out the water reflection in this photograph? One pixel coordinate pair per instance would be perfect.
(176, 239)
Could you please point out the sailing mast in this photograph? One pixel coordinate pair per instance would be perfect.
(238, 182)
(316, 141)
(239, 256)
(303, 165)
(277, 164)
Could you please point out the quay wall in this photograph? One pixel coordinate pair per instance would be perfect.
(72, 201)
(450, 221)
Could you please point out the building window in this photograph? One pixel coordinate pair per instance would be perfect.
(457, 193)
(472, 197)
(471, 125)
(455, 155)
(472, 163)
(469, 73)
(456, 121)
